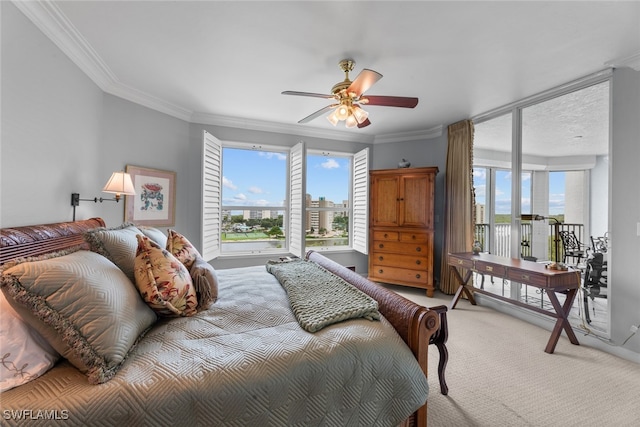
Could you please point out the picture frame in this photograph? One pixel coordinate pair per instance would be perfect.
(155, 200)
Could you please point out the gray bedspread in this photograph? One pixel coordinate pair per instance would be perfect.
(243, 362)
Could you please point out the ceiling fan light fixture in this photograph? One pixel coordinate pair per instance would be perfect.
(342, 112)
(333, 118)
(351, 122)
(360, 114)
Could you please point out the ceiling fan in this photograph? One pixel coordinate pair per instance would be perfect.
(349, 97)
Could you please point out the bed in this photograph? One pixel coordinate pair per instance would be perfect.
(244, 360)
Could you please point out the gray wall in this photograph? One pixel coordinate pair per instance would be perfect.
(51, 125)
(625, 207)
(61, 134)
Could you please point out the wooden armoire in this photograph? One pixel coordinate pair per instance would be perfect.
(401, 228)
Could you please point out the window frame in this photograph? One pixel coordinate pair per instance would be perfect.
(349, 209)
(294, 207)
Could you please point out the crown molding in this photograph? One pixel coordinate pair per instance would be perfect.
(631, 61)
(291, 129)
(433, 132)
(142, 98)
(48, 17)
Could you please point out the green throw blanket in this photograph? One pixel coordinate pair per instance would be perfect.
(318, 297)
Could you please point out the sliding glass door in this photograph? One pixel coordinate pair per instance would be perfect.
(541, 173)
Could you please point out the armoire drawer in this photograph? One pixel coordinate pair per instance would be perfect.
(386, 235)
(397, 260)
(400, 247)
(395, 274)
(414, 237)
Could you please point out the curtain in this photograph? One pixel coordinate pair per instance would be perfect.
(459, 199)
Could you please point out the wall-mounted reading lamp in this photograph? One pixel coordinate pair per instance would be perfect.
(119, 184)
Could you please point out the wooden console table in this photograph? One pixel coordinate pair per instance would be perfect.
(525, 272)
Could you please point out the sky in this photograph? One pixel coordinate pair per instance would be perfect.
(259, 178)
(503, 191)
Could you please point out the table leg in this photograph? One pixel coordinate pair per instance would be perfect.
(462, 288)
(562, 321)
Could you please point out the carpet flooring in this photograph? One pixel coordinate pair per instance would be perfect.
(499, 375)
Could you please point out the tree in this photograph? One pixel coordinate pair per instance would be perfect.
(341, 222)
(275, 232)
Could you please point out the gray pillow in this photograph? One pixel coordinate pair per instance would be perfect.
(205, 282)
(118, 244)
(154, 234)
(83, 305)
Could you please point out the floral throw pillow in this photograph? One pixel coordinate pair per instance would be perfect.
(163, 281)
(181, 248)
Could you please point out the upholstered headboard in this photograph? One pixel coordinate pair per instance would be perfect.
(33, 240)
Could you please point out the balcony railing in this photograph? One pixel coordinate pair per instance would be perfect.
(503, 238)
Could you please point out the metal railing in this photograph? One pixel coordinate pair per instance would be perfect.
(503, 238)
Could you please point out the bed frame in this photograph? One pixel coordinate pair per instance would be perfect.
(417, 325)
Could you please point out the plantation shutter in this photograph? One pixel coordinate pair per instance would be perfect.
(360, 223)
(211, 196)
(297, 190)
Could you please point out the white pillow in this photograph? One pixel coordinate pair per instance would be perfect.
(24, 354)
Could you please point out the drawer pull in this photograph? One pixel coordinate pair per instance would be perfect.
(386, 235)
(525, 277)
(380, 271)
(381, 245)
(460, 262)
(380, 258)
(417, 276)
(489, 268)
(418, 262)
(413, 236)
(418, 249)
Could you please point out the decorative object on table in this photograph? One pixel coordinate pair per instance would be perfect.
(477, 247)
(155, 200)
(404, 164)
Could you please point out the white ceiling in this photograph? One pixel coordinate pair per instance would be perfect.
(227, 62)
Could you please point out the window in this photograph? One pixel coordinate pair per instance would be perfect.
(546, 156)
(255, 199)
(328, 201)
(254, 184)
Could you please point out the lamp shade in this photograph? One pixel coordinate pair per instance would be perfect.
(351, 121)
(333, 118)
(342, 112)
(120, 183)
(360, 114)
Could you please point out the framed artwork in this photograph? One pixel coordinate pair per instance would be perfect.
(155, 200)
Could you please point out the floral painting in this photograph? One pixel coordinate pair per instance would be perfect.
(154, 201)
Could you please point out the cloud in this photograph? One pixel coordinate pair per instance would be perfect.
(227, 183)
(330, 164)
(255, 190)
(240, 197)
(481, 191)
(272, 155)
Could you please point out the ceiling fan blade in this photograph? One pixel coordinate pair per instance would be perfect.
(318, 113)
(392, 101)
(315, 95)
(364, 124)
(364, 81)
